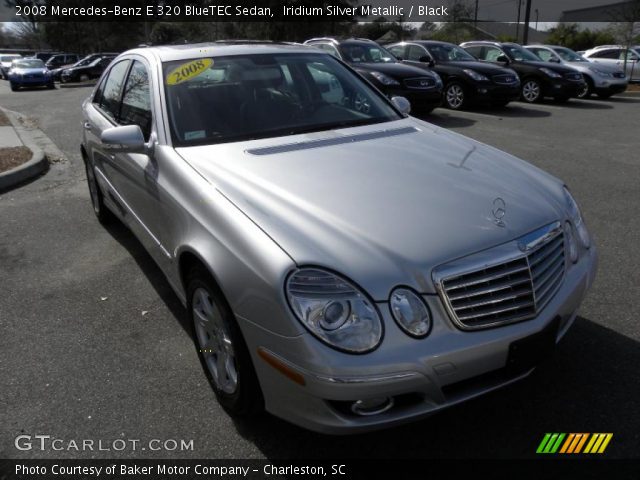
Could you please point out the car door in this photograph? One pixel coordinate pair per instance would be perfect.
(609, 56)
(135, 175)
(632, 68)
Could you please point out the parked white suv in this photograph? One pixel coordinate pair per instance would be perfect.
(614, 55)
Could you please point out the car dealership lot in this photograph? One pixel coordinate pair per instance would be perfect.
(94, 343)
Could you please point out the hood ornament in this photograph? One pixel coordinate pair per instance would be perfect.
(499, 210)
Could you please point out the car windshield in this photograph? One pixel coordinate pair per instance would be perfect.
(29, 63)
(84, 61)
(569, 55)
(449, 53)
(234, 98)
(520, 54)
(365, 53)
(8, 58)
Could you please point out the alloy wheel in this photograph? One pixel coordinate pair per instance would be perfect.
(455, 96)
(531, 91)
(214, 341)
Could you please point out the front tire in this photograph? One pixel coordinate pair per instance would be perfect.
(455, 96)
(586, 92)
(531, 91)
(51, 86)
(221, 348)
(103, 214)
(14, 87)
(604, 95)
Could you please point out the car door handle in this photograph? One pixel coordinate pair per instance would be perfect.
(87, 126)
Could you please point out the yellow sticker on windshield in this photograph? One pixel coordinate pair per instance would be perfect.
(188, 70)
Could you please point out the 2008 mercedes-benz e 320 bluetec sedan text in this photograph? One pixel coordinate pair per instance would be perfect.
(344, 265)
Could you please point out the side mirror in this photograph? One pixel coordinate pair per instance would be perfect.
(503, 59)
(554, 60)
(399, 58)
(125, 139)
(401, 104)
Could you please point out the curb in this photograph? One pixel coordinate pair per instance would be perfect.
(34, 167)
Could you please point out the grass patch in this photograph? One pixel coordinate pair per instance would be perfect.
(4, 121)
(13, 157)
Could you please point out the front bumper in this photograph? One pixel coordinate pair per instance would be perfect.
(419, 99)
(610, 86)
(31, 82)
(492, 93)
(562, 88)
(423, 376)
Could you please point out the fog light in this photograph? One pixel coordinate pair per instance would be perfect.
(372, 406)
(482, 90)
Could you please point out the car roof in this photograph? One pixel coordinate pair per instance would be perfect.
(168, 53)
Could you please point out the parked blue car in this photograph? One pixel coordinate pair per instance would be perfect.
(29, 72)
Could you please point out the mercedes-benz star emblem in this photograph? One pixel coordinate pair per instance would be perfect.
(499, 211)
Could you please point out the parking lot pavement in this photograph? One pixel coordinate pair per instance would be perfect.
(94, 345)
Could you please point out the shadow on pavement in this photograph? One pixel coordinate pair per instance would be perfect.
(447, 120)
(513, 110)
(591, 384)
(151, 270)
(585, 104)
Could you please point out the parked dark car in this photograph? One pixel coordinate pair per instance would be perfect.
(466, 80)
(61, 59)
(422, 87)
(57, 72)
(86, 72)
(538, 79)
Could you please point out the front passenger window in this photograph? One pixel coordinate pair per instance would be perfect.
(110, 101)
(136, 100)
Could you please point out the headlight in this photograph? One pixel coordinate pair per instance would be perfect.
(550, 73)
(438, 79)
(334, 310)
(602, 73)
(410, 312)
(576, 218)
(478, 77)
(384, 79)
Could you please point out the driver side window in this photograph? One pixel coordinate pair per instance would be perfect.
(492, 54)
(543, 54)
(415, 53)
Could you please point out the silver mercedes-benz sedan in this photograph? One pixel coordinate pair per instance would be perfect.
(344, 266)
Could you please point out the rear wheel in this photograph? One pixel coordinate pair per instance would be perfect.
(221, 347)
(455, 96)
(531, 91)
(587, 90)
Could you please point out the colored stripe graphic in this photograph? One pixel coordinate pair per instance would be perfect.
(574, 443)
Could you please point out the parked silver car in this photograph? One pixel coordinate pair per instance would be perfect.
(344, 265)
(603, 80)
(614, 55)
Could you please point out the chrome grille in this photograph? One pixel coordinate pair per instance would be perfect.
(511, 291)
(505, 79)
(420, 82)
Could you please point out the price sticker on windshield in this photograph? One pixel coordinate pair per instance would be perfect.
(188, 70)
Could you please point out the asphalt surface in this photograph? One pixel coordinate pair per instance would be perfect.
(93, 343)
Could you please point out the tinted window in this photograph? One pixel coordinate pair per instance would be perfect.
(545, 55)
(110, 101)
(397, 50)
(491, 54)
(475, 51)
(136, 100)
(366, 53)
(98, 95)
(416, 52)
(615, 54)
(328, 48)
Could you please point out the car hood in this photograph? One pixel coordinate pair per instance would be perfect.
(603, 67)
(556, 67)
(482, 67)
(396, 69)
(382, 204)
